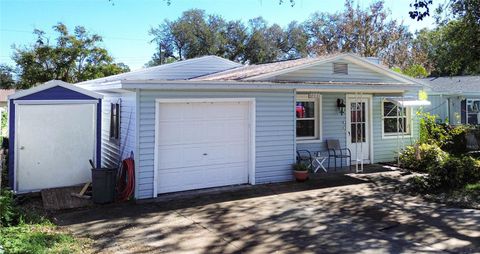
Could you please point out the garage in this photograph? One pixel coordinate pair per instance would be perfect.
(53, 133)
(203, 143)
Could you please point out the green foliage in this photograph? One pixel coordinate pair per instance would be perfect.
(196, 34)
(8, 211)
(366, 31)
(75, 57)
(300, 166)
(414, 70)
(474, 187)
(23, 230)
(446, 45)
(455, 172)
(6, 77)
(449, 138)
(422, 157)
(39, 238)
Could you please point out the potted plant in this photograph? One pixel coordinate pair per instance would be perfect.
(300, 171)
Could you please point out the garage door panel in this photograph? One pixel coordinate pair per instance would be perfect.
(201, 177)
(207, 146)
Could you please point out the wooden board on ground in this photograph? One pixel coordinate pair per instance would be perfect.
(61, 198)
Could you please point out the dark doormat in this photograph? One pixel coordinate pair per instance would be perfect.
(61, 198)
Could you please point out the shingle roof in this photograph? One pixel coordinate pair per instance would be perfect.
(455, 84)
(181, 70)
(249, 71)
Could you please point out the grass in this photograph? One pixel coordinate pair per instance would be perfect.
(37, 238)
(473, 187)
(23, 229)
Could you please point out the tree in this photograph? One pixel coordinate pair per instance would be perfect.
(452, 49)
(367, 32)
(196, 34)
(6, 77)
(73, 58)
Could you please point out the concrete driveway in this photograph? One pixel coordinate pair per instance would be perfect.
(361, 214)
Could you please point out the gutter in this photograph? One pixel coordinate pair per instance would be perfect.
(182, 85)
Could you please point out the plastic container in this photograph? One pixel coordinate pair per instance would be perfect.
(103, 185)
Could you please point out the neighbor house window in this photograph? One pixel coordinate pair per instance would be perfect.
(114, 121)
(395, 119)
(307, 115)
(473, 111)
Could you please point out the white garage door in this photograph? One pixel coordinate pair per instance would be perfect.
(202, 144)
(53, 145)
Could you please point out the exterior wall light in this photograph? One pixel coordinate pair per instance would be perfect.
(341, 106)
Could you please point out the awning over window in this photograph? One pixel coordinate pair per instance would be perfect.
(407, 102)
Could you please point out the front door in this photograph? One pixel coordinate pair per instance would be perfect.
(358, 127)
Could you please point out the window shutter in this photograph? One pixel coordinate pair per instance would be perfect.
(463, 110)
(340, 68)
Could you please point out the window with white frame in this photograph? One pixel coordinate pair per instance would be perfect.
(395, 119)
(473, 111)
(307, 117)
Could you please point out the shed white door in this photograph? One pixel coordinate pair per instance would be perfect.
(53, 145)
(202, 144)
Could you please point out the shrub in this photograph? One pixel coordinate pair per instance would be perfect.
(455, 172)
(450, 138)
(422, 157)
(8, 211)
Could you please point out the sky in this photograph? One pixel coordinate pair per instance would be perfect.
(124, 24)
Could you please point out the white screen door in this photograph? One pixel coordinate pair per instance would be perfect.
(358, 127)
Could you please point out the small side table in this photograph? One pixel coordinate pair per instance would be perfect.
(318, 161)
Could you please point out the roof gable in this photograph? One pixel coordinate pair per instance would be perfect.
(360, 70)
(55, 89)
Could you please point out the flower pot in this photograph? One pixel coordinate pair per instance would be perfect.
(300, 176)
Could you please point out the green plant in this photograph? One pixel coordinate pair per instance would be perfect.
(38, 238)
(300, 166)
(455, 172)
(8, 211)
(422, 157)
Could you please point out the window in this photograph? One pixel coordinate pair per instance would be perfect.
(114, 121)
(340, 68)
(307, 116)
(473, 111)
(395, 119)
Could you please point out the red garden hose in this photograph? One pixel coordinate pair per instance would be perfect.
(126, 180)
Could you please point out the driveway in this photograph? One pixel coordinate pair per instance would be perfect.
(360, 214)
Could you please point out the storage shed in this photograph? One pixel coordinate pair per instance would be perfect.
(54, 129)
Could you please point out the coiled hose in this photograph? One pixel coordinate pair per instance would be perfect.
(126, 180)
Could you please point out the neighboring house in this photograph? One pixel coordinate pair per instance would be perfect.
(209, 122)
(454, 99)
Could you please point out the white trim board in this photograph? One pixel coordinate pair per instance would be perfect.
(51, 102)
(251, 125)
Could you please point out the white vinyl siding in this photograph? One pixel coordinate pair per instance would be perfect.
(386, 149)
(113, 151)
(275, 133)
